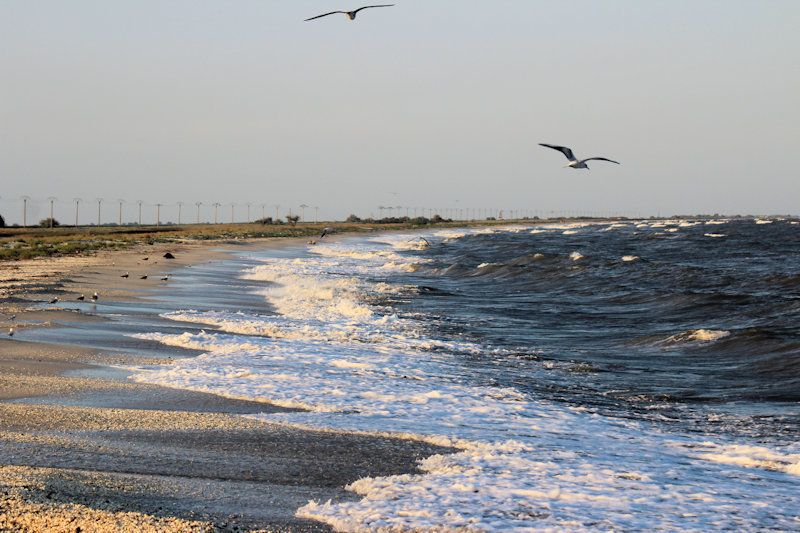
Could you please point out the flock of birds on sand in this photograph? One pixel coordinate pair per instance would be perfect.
(574, 162)
(96, 296)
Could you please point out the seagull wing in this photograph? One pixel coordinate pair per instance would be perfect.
(601, 159)
(325, 15)
(563, 149)
(370, 7)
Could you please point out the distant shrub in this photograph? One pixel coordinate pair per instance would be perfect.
(353, 219)
(264, 221)
(292, 219)
(49, 223)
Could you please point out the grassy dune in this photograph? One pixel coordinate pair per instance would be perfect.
(27, 243)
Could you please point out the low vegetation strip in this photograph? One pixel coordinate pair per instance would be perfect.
(28, 243)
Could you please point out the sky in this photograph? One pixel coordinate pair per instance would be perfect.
(430, 103)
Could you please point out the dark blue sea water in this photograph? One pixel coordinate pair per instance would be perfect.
(670, 319)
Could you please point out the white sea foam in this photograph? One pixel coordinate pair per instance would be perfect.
(629, 258)
(763, 221)
(698, 335)
(715, 235)
(576, 256)
(614, 226)
(523, 463)
(716, 222)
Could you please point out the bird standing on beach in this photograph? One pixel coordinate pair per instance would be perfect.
(144, 277)
(125, 275)
(574, 162)
(54, 300)
(350, 14)
(95, 296)
(165, 278)
(81, 298)
(11, 331)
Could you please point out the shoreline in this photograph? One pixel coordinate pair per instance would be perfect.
(80, 445)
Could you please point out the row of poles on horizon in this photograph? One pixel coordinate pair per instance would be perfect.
(384, 212)
(140, 204)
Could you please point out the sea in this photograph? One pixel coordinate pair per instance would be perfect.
(592, 376)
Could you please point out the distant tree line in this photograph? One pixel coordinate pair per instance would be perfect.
(418, 221)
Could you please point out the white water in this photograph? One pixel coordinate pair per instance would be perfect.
(525, 463)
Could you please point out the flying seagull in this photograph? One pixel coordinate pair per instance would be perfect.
(350, 14)
(574, 162)
(326, 231)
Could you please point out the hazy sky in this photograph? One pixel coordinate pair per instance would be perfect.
(440, 101)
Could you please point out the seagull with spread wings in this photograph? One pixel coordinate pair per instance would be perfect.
(350, 14)
(574, 162)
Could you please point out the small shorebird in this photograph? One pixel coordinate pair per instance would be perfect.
(125, 275)
(144, 277)
(54, 300)
(95, 296)
(350, 14)
(574, 162)
(11, 331)
(81, 298)
(165, 278)
(13, 318)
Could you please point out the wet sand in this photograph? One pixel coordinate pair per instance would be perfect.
(82, 447)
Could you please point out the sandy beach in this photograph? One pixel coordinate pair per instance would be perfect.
(84, 449)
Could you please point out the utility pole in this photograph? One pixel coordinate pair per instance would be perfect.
(233, 206)
(277, 215)
(303, 212)
(180, 206)
(316, 214)
(77, 204)
(263, 211)
(51, 199)
(198, 204)
(99, 203)
(140, 211)
(216, 210)
(248, 211)
(158, 214)
(25, 211)
(120, 201)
